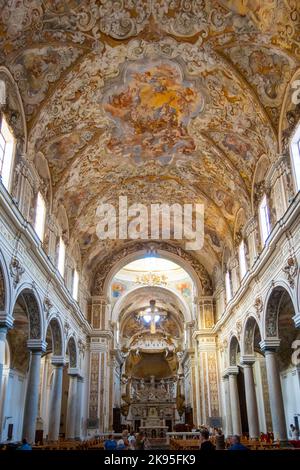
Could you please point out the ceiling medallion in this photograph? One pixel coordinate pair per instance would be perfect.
(151, 106)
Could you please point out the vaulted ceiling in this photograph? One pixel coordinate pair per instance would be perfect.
(158, 100)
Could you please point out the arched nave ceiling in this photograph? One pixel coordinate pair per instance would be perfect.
(139, 299)
(78, 65)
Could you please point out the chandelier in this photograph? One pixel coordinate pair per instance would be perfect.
(151, 316)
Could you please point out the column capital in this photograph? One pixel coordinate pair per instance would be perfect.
(37, 345)
(232, 370)
(6, 321)
(247, 360)
(58, 361)
(73, 371)
(296, 319)
(270, 344)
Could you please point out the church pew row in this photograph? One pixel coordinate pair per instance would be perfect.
(72, 445)
(192, 444)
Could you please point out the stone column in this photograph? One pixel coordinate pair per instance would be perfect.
(32, 393)
(228, 431)
(72, 406)
(234, 400)
(78, 408)
(55, 399)
(269, 347)
(296, 319)
(251, 234)
(5, 325)
(251, 401)
(3, 332)
(197, 386)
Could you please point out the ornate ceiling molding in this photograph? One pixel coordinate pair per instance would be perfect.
(108, 263)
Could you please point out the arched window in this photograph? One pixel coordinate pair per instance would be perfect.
(228, 286)
(242, 259)
(75, 284)
(40, 216)
(295, 157)
(7, 151)
(264, 219)
(61, 256)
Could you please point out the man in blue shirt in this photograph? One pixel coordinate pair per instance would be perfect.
(236, 444)
(110, 443)
(24, 445)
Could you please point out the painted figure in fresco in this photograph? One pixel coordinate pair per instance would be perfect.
(152, 110)
(238, 146)
(117, 290)
(260, 11)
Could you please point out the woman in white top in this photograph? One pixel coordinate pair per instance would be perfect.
(131, 441)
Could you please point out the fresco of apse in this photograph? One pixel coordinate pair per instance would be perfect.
(151, 110)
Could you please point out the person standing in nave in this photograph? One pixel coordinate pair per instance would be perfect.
(205, 444)
(131, 441)
(220, 440)
(236, 444)
(110, 443)
(24, 445)
(294, 433)
(140, 442)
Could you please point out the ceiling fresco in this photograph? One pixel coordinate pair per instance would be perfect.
(151, 111)
(159, 100)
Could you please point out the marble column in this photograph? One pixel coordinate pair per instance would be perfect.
(32, 393)
(228, 431)
(3, 332)
(55, 400)
(234, 400)
(269, 347)
(296, 346)
(197, 385)
(251, 401)
(5, 325)
(79, 408)
(71, 407)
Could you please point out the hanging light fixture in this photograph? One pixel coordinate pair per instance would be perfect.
(151, 315)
